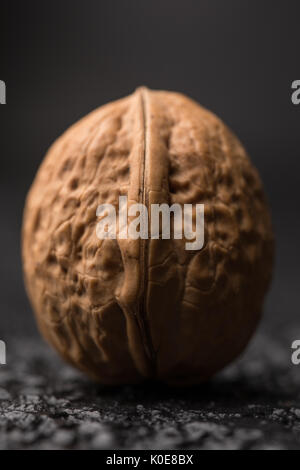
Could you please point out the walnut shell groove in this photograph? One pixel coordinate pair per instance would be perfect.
(125, 310)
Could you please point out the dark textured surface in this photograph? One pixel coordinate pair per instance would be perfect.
(254, 404)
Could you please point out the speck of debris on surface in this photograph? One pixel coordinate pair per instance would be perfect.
(253, 404)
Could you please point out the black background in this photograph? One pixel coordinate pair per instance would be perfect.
(61, 59)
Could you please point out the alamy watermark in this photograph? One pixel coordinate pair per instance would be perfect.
(2, 353)
(2, 92)
(133, 222)
(296, 93)
(295, 358)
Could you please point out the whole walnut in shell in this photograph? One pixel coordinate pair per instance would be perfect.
(124, 310)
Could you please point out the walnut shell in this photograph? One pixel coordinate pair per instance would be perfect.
(128, 310)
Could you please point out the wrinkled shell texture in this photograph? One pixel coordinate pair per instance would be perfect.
(128, 310)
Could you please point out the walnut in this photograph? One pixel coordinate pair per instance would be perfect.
(124, 310)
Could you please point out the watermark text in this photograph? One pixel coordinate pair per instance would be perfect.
(2, 92)
(2, 353)
(296, 93)
(295, 358)
(159, 221)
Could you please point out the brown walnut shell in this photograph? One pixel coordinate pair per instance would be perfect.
(128, 310)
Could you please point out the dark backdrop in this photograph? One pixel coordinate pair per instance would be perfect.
(61, 59)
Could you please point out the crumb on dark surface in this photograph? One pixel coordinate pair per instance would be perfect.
(253, 404)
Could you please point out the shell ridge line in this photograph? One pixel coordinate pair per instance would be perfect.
(144, 93)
